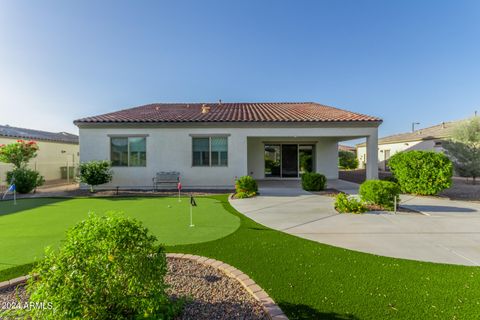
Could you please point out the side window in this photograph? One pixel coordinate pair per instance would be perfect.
(128, 151)
(201, 152)
(138, 152)
(219, 151)
(119, 152)
(210, 151)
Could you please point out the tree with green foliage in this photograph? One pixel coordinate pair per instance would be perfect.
(422, 172)
(464, 148)
(19, 155)
(109, 267)
(95, 173)
(347, 160)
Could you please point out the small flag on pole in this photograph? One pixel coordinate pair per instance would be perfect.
(192, 204)
(13, 189)
(192, 201)
(179, 188)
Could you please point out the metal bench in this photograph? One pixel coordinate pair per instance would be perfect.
(166, 178)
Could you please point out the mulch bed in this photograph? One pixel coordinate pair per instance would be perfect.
(329, 192)
(359, 175)
(373, 207)
(211, 293)
(119, 193)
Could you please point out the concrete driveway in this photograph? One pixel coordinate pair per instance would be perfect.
(447, 231)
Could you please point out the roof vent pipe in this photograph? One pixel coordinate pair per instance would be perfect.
(219, 102)
(205, 108)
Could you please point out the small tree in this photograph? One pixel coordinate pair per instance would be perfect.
(95, 173)
(464, 148)
(19, 154)
(347, 160)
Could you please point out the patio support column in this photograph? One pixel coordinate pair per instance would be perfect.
(372, 155)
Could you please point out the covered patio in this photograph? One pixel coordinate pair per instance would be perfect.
(287, 153)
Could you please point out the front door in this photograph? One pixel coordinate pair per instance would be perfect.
(289, 160)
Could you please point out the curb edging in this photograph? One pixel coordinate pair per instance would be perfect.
(13, 282)
(272, 310)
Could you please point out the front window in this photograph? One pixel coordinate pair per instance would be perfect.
(209, 151)
(128, 151)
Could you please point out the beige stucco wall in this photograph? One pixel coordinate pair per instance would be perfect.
(394, 148)
(49, 159)
(169, 148)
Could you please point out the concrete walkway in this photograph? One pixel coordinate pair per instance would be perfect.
(446, 231)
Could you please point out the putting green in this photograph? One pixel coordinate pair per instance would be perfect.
(27, 228)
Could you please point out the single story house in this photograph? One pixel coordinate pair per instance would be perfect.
(211, 144)
(422, 139)
(57, 150)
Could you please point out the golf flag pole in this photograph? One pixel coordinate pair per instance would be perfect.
(192, 204)
(179, 187)
(13, 189)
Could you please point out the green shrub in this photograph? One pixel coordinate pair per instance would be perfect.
(95, 173)
(245, 187)
(346, 204)
(378, 192)
(25, 179)
(347, 160)
(421, 172)
(312, 181)
(109, 267)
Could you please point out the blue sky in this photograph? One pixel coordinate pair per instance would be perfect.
(403, 61)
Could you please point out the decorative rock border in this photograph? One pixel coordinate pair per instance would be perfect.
(270, 307)
(13, 282)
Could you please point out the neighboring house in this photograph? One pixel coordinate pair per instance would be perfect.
(57, 150)
(422, 139)
(212, 144)
(342, 147)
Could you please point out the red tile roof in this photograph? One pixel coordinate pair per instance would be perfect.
(230, 112)
(342, 147)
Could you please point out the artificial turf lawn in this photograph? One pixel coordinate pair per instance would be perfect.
(27, 228)
(315, 281)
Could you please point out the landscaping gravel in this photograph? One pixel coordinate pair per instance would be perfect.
(215, 295)
(210, 293)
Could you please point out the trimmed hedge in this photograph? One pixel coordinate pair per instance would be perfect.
(422, 172)
(312, 181)
(378, 192)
